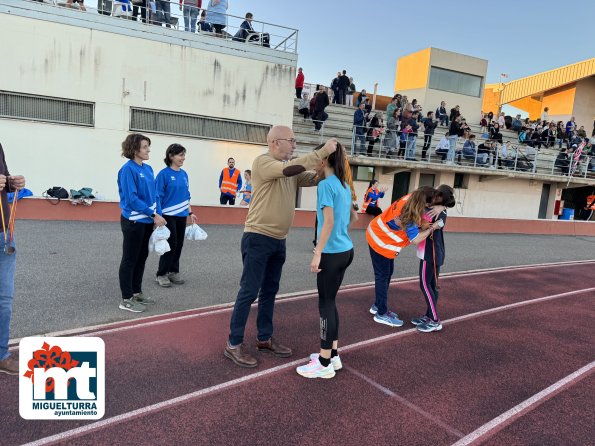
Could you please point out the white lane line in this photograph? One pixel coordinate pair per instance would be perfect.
(193, 395)
(529, 404)
(288, 297)
(406, 403)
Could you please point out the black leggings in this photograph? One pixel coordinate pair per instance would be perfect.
(328, 281)
(170, 261)
(428, 282)
(373, 210)
(135, 250)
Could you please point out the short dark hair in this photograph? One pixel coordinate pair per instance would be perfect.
(249, 15)
(173, 150)
(231, 158)
(132, 143)
(344, 71)
(429, 113)
(248, 171)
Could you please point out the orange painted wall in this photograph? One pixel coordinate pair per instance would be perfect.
(560, 100)
(530, 105)
(413, 71)
(491, 98)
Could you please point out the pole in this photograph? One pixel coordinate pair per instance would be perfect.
(374, 97)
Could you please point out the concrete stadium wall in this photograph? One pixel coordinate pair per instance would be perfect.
(40, 209)
(117, 71)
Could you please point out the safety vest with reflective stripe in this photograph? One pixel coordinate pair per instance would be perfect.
(229, 184)
(591, 202)
(381, 238)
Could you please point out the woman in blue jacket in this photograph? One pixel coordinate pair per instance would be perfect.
(173, 197)
(140, 212)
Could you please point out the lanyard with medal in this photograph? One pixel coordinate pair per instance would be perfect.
(9, 229)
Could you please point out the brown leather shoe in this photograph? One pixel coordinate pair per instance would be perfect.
(10, 366)
(239, 357)
(272, 346)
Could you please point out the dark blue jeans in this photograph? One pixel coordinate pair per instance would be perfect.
(383, 271)
(7, 269)
(263, 259)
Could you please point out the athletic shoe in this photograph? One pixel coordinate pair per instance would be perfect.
(374, 310)
(420, 320)
(131, 305)
(314, 369)
(175, 278)
(388, 319)
(430, 326)
(163, 281)
(335, 362)
(142, 299)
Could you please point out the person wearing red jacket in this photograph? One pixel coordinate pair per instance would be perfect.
(299, 84)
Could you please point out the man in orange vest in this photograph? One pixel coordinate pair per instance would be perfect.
(230, 181)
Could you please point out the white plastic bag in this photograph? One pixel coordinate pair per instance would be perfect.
(195, 232)
(158, 241)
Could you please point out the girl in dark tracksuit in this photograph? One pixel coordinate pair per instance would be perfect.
(431, 253)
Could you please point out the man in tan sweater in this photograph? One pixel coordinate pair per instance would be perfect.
(275, 180)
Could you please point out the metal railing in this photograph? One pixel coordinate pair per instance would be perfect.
(187, 18)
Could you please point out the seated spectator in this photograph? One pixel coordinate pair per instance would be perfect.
(483, 122)
(530, 153)
(443, 146)
(81, 4)
(581, 132)
(304, 106)
(525, 135)
(562, 161)
(495, 134)
(517, 124)
(489, 149)
(442, 115)
(203, 25)
(469, 151)
(217, 15)
(508, 122)
(247, 34)
(501, 120)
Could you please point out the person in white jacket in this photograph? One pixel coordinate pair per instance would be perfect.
(443, 146)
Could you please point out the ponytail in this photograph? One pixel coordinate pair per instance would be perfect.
(336, 160)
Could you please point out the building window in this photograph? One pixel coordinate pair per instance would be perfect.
(455, 82)
(195, 126)
(46, 109)
(363, 173)
(461, 181)
(426, 179)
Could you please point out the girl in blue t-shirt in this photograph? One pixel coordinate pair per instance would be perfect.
(332, 257)
(247, 191)
(173, 195)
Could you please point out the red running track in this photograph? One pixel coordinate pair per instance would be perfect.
(508, 335)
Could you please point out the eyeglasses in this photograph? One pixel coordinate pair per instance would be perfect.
(290, 140)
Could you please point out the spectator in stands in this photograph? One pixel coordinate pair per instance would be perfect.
(190, 9)
(483, 122)
(549, 135)
(359, 124)
(488, 149)
(322, 101)
(490, 118)
(443, 147)
(593, 132)
(454, 133)
(560, 134)
(525, 135)
(343, 87)
(230, 182)
(391, 135)
(140, 6)
(429, 127)
(81, 3)
(375, 129)
(517, 124)
(570, 127)
(304, 106)
(390, 108)
(350, 92)
(313, 101)
(562, 161)
(335, 88)
(299, 83)
(361, 97)
(575, 139)
(508, 122)
(412, 136)
(442, 115)
(163, 8)
(217, 15)
(581, 132)
(495, 134)
(545, 114)
(454, 113)
(203, 25)
(470, 152)
(247, 34)
(501, 120)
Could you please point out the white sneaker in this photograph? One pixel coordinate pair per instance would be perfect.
(335, 362)
(314, 369)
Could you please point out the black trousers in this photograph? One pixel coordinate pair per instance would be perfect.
(298, 92)
(170, 261)
(373, 210)
(305, 112)
(142, 5)
(224, 199)
(428, 282)
(328, 281)
(427, 144)
(135, 250)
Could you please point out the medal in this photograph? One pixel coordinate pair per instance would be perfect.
(8, 240)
